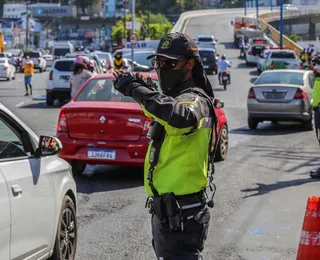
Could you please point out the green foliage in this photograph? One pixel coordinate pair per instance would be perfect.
(159, 26)
(294, 37)
(193, 5)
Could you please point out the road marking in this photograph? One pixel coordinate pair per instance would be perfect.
(19, 104)
(19, 80)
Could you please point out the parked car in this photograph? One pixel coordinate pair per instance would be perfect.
(7, 70)
(58, 83)
(102, 126)
(38, 61)
(206, 41)
(209, 59)
(49, 58)
(281, 95)
(38, 195)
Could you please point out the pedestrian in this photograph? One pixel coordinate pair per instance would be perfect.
(118, 61)
(28, 69)
(315, 102)
(80, 74)
(178, 158)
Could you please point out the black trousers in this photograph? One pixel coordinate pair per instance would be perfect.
(181, 245)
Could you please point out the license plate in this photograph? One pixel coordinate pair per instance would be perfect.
(206, 67)
(64, 77)
(280, 95)
(102, 154)
(225, 78)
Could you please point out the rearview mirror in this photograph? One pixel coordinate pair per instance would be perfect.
(48, 145)
(218, 103)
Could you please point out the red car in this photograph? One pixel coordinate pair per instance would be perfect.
(101, 126)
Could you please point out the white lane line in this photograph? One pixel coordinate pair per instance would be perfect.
(19, 104)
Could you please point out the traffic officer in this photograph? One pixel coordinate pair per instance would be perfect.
(180, 155)
(118, 61)
(315, 102)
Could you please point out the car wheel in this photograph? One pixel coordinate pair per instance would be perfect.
(252, 123)
(259, 71)
(216, 71)
(222, 149)
(78, 167)
(67, 231)
(49, 100)
(308, 125)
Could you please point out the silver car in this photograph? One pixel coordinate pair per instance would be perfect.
(281, 95)
(37, 195)
(7, 70)
(206, 41)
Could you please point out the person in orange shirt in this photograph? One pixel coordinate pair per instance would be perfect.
(28, 74)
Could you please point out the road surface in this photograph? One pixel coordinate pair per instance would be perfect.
(262, 186)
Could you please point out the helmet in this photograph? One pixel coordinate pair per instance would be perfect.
(82, 60)
(223, 57)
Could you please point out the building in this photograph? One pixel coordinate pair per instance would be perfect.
(15, 10)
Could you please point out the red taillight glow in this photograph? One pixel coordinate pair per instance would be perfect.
(300, 94)
(51, 75)
(146, 126)
(62, 122)
(249, 52)
(224, 74)
(5, 67)
(272, 65)
(251, 94)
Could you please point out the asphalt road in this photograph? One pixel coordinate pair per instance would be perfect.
(262, 186)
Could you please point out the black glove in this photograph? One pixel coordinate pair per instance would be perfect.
(126, 83)
(148, 83)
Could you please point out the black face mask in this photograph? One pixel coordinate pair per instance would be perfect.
(170, 78)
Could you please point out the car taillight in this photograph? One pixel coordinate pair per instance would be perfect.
(224, 74)
(300, 94)
(251, 94)
(51, 75)
(272, 65)
(126, 67)
(146, 126)
(62, 122)
(5, 67)
(249, 52)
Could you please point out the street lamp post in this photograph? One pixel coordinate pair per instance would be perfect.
(271, 5)
(257, 8)
(133, 12)
(281, 22)
(27, 25)
(245, 7)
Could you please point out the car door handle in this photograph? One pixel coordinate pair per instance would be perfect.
(16, 189)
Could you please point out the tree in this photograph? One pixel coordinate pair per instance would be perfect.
(193, 5)
(294, 37)
(159, 26)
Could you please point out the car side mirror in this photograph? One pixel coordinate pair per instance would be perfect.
(48, 145)
(218, 103)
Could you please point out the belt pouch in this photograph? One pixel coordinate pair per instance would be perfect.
(172, 211)
(158, 208)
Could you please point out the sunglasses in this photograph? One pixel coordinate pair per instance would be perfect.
(168, 64)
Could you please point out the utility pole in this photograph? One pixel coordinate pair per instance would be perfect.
(125, 19)
(27, 25)
(149, 18)
(133, 12)
(245, 7)
(281, 23)
(257, 8)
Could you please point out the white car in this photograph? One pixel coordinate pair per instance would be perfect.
(38, 61)
(49, 58)
(206, 41)
(289, 7)
(253, 53)
(7, 70)
(58, 83)
(37, 195)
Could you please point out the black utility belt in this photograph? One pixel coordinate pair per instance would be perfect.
(169, 208)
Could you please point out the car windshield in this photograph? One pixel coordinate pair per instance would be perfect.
(65, 65)
(207, 54)
(281, 77)
(102, 90)
(2, 61)
(283, 55)
(32, 54)
(104, 56)
(60, 52)
(140, 57)
(205, 39)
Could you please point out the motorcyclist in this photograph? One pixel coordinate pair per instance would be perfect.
(223, 66)
(315, 102)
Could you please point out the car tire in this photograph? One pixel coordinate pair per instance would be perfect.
(78, 167)
(252, 123)
(308, 125)
(222, 149)
(49, 100)
(216, 71)
(67, 232)
(258, 71)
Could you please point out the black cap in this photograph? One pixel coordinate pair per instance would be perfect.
(175, 46)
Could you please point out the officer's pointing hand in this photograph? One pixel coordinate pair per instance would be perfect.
(125, 82)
